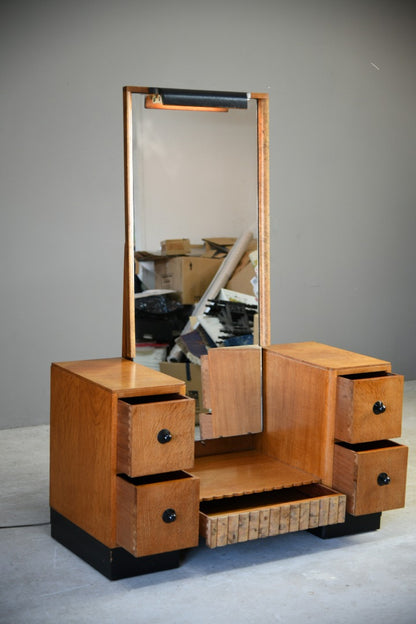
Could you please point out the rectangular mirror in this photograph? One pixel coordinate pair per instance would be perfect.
(196, 208)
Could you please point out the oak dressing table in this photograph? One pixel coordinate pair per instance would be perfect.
(293, 437)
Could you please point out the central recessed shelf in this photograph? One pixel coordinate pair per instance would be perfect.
(249, 472)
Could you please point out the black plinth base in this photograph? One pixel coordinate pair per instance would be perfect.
(351, 526)
(114, 563)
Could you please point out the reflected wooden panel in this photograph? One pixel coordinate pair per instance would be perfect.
(235, 402)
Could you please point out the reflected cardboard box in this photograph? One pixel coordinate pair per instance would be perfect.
(189, 276)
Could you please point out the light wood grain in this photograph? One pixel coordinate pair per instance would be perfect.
(128, 347)
(205, 383)
(263, 217)
(129, 329)
(355, 419)
(356, 470)
(235, 474)
(298, 414)
(205, 426)
(83, 464)
(140, 527)
(83, 454)
(235, 390)
(138, 450)
(332, 358)
(124, 377)
(300, 393)
(218, 446)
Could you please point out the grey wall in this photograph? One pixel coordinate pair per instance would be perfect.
(341, 77)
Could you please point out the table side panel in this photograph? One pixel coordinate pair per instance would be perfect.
(298, 414)
(83, 454)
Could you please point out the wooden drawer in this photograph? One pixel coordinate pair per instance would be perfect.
(155, 434)
(369, 407)
(373, 475)
(155, 516)
(243, 518)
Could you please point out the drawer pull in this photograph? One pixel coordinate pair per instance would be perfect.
(383, 478)
(164, 436)
(169, 515)
(379, 407)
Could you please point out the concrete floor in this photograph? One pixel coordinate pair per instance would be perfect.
(363, 579)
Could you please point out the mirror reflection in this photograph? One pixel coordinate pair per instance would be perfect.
(195, 231)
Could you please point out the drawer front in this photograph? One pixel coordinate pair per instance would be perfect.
(157, 517)
(155, 435)
(369, 407)
(373, 476)
(229, 521)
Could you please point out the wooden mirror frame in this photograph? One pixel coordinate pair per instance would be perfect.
(128, 334)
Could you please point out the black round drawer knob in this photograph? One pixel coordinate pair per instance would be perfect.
(164, 436)
(169, 515)
(383, 478)
(379, 407)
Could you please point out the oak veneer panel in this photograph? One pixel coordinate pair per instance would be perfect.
(129, 333)
(235, 474)
(139, 451)
(218, 446)
(298, 414)
(83, 454)
(206, 396)
(235, 375)
(332, 358)
(263, 216)
(355, 419)
(206, 430)
(140, 526)
(356, 468)
(124, 377)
